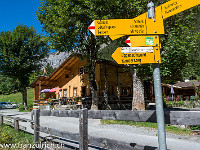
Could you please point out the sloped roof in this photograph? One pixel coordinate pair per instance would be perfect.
(70, 61)
(188, 84)
(56, 74)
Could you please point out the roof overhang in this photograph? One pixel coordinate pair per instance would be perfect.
(64, 67)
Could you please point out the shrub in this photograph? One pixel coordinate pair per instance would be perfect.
(29, 106)
(9, 136)
(21, 107)
(195, 127)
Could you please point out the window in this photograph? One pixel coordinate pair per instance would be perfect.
(127, 91)
(110, 90)
(85, 70)
(69, 91)
(67, 76)
(81, 70)
(75, 92)
(60, 93)
(83, 91)
(65, 93)
(124, 91)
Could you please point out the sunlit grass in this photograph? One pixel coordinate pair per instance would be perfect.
(17, 97)
(168, 128)
(8, 135)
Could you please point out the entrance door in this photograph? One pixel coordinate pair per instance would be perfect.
(83, 91)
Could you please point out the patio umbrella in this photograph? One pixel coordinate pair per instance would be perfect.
(172, 91)
(45, 90)
(55, 89)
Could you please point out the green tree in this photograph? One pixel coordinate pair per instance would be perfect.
(67, 23)
(20, 52)
(180, 46)
(8, 85)
(49, 69)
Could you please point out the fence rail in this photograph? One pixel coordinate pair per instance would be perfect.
(171, 117)
(15, 122)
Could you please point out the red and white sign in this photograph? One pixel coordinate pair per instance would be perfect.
(92, 27)
(128, 41)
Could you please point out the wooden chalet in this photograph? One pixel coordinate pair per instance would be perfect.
(72, 78)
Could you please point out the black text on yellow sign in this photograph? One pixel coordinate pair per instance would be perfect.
(137, 57)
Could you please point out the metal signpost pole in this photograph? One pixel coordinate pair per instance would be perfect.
(158, 93)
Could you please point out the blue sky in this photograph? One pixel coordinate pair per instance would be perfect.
(14, 12)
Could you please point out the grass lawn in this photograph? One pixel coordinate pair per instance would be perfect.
(170, 129)
(17, 97)
(9, 136)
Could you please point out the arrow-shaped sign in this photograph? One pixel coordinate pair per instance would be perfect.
(137, 55)
(169, 9)
(139, 25)
(136, 41)
(173, 7)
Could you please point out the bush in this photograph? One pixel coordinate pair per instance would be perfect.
(29, 106)
(188, 104)
(9, 136)
(21, 107)
(195, 127)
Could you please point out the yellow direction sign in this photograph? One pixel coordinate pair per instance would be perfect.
(168, 9)
(136, 41)
(173, 7)
(137, 55)
(139, 25)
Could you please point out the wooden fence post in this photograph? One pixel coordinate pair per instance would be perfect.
(1, 120)
(16, 124)
(32, 123)
(36, 125)
(83, 129)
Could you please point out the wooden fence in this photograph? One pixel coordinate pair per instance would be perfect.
(171, 117)
(15, 122)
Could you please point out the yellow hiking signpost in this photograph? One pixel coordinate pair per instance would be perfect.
(173, 7)
(137, 26)
(136, 41)
(137, 55)
(117, 28)
(168, 9)
(144, 49)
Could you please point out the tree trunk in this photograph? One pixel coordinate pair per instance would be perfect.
(107, 106)
(24, 96)
(118, 90)
(95, 100)
(138, 91)
(92, 53)
(93, 87)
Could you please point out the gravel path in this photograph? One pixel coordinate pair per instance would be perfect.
(149, 131)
